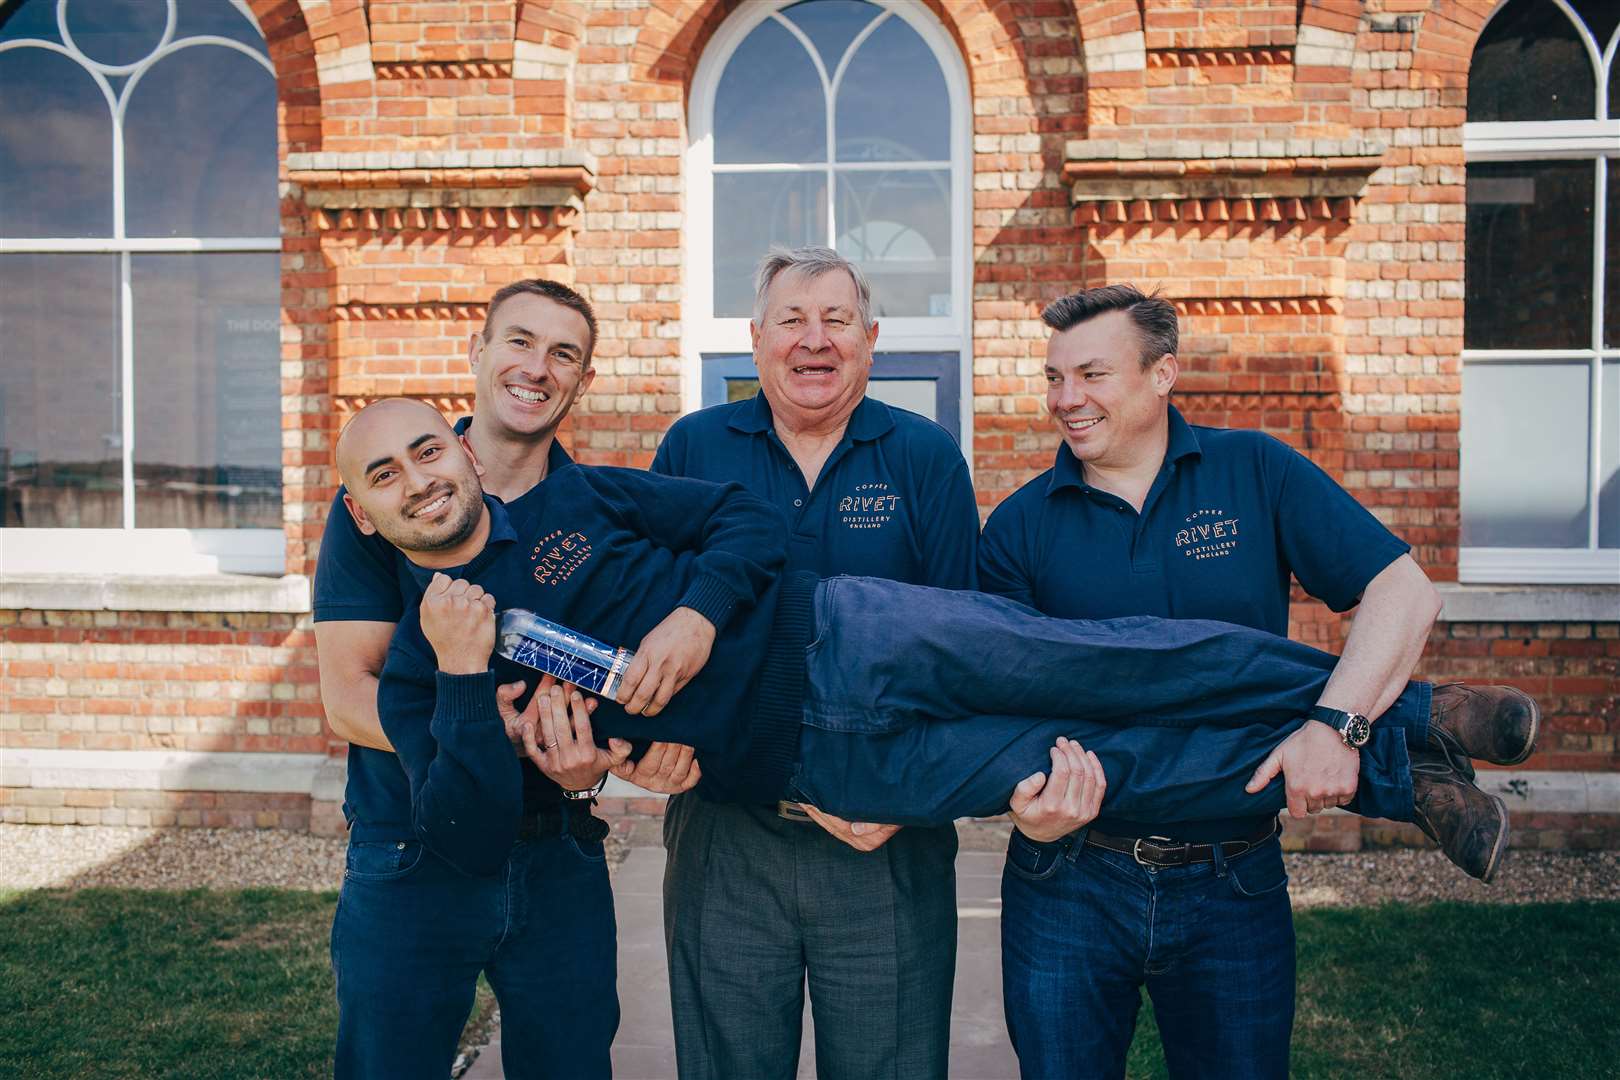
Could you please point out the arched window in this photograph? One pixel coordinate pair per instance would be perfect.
(140, 385)
(843, 123)
(1541, 358)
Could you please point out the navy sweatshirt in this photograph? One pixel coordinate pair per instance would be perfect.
(609, 552)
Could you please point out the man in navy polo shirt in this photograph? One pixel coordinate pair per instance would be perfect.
(1144, 514)
(865, 489)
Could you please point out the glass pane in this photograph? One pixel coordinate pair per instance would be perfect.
(31, 19)
(58, 184)
(1525, 455)
(1601, 17)
(892, 103)
(61, 455)
(831, 25)
(116, 31)
(752, 212)
(208, 398)
(1530, 64)
(918, 395)
(770, 105)
(897, 226)
(1609, 460)
(1529, 255)
(200, 147)
(1611, 273)
(218, 18)
(741, 389)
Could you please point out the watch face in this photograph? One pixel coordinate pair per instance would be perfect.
(1357, 730)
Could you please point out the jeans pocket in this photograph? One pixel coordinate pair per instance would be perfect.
(1031, 860)
(1258, 872)
(381, 860)
(591, 851)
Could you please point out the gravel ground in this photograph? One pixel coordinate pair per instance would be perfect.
(76, 856)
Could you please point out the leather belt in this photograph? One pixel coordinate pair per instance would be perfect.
(1162, 851)
(548, 821)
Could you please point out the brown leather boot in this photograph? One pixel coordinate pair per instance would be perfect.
(1470, 826)
(1493, 723)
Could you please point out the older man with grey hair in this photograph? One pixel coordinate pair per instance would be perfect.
(757, 898)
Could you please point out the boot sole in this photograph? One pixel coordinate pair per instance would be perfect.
(1535, 731)
(1501, 847)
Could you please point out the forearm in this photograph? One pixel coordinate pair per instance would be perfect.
(351, 710)
(1386, 640)
(466, 800)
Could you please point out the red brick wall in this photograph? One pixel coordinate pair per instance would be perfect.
(1334, 323)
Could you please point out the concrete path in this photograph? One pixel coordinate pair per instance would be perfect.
(645, 1049)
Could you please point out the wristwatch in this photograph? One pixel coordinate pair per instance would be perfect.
(589, 793)
(1353, 728)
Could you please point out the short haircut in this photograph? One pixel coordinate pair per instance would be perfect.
(812, 262)
(1153, 316)
(555, 291)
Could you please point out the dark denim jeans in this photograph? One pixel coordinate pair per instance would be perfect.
(412, 933)
(925, 705)
(1083, 929)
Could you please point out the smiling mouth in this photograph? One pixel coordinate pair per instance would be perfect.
(1082, 423)
(528, 397)
(434, 504)
(812, 369)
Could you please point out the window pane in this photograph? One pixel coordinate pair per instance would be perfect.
(116, 31)
(208, 391)
(1601, 17)
(897, 226)
(55, 148)
(892, 103)
(831, 25)
(200, 147)
(216, 17)
(921, 396)
(30, 19)
(1525, 455)
(1611, 275)
(770, 105)
(61, 456)
(752, 212)
(1609, 460)
(1530, 64)
(1529, 256)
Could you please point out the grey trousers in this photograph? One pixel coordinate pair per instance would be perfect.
(754, 904)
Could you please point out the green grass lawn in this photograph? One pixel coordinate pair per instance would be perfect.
(113, 983)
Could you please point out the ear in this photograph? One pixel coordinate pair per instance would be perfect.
(478, 466)
(753, 333)
(361, 522)
(871, 337)
(475, 348)
(585, 383)
(1166, 370)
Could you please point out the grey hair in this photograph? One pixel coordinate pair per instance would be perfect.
(812, 262)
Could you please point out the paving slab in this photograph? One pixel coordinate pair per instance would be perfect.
(645, 1048)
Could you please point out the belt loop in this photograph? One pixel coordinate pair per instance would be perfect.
(1219, 855)
(1074, 845)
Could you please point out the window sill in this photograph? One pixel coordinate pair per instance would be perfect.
(144, 592)
(1529, 603)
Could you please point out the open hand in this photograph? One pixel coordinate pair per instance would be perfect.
(1318, 770)
(860, 835)
(667, 768)
(559, 740)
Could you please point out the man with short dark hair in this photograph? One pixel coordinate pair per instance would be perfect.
(1143, 514)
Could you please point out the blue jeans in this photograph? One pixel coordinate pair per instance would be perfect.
(411, 935)
(925, 705)
(1083, 929)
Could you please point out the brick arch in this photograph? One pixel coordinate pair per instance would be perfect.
(292, 54)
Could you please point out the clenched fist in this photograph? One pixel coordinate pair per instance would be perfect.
(458, 619)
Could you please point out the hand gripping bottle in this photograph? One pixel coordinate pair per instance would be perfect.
(525, 638)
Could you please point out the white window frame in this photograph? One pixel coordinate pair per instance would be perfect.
(703, 332)
(1596, 141)
(137, 550)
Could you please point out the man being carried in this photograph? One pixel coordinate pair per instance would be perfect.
(871, 699)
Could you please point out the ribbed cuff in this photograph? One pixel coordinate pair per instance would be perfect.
(773, 745)
(711, 598)
(464, 699)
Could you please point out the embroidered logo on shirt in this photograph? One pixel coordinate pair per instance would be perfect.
(557, 556)
(870, 507)
(1210, 534)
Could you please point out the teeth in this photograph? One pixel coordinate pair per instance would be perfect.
(1083, 423)
(533, 397)
(433, 507)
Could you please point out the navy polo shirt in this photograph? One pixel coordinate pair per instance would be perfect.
(893, 500)
(360, 578)
(1230, 517)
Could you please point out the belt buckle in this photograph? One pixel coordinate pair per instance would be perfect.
(1156, 841)
(792, 811)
